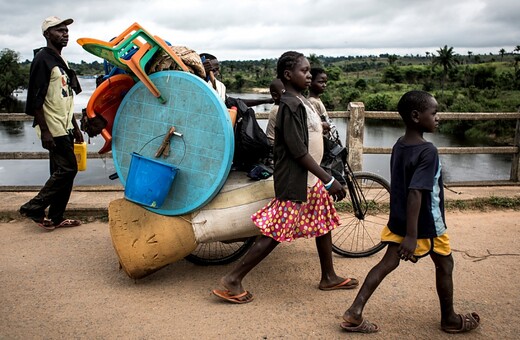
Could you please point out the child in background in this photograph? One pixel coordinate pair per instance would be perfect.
(277, 89)
(416, 226)
(318, 86)
(303, 206)
(212, 69)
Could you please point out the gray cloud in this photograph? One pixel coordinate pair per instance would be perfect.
(234, 29)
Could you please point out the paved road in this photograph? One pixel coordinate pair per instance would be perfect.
(66, 284)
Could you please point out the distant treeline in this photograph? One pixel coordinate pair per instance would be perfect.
(461, 83)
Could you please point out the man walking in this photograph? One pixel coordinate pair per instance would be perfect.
(50, 99)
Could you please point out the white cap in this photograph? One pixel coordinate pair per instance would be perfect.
(54, 21)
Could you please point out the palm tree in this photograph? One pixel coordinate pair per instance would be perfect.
(446, 59)
(502, 52)
(469, 56)
(517, 48)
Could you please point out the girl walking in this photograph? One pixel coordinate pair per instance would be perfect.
(305, 193)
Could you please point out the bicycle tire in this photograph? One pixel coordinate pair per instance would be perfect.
(362, 237)
(219, 253)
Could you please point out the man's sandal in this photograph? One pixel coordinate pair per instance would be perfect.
(45, 223)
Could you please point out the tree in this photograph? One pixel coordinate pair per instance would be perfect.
(445, 59)
(10, 75)
(517, 48)
(502, 52)
(469, 56)
(314, 60)
(392, 59)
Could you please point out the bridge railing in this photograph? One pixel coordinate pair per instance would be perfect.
(356, 116)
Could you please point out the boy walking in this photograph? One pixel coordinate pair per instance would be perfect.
(416, 227)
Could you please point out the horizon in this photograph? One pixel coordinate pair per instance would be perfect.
(433, 52)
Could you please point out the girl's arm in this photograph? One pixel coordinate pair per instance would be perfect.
(413, 205)
(336, 190)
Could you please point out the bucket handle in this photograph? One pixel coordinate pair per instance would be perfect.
(180, 135)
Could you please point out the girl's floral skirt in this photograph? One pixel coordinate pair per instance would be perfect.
(285, 221)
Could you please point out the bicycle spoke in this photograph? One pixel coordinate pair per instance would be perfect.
(216, 253)
(360, 234)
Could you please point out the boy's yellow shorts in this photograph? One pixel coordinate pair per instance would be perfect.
(439, 245)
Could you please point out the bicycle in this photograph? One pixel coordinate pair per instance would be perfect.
(367, 203)
(359, 235)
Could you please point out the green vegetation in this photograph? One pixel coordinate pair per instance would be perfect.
(461, 83)
(469, 83)
(485, 203)
(482, 203)
(12, 75)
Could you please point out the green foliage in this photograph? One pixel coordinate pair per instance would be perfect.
(377, 102)
(484, 203)
(87, 69)
(11, 75)
(361, 84)
(460, 83)
(333, 73)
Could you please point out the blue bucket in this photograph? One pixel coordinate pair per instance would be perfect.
(148, 181)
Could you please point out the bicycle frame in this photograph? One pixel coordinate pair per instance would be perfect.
(359, 202)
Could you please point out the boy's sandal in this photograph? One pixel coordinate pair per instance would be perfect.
(364, 327)
(468, 322)
(68, 223)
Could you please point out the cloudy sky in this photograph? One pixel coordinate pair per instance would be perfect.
(245, 30)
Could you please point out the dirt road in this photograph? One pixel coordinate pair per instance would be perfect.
(66, 284)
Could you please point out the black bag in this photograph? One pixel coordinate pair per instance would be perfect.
(260, 171)
(92, 126)
(334, 158)
(251, 144)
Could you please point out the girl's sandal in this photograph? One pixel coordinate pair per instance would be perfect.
(68, 223)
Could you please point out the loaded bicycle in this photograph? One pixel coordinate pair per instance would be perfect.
(364, 213)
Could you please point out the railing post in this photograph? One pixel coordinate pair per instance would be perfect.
(515, 162)
(355, 134)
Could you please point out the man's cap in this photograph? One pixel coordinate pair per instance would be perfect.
(54, 21)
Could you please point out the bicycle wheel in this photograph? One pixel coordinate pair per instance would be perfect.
(361, 236)
(217, 253)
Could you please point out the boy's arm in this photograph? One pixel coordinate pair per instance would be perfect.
(413, 206)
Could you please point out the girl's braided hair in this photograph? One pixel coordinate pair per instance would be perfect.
(287, 61)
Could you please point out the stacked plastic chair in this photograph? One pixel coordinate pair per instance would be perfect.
(131, 51)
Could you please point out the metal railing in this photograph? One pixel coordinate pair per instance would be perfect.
(356, 116)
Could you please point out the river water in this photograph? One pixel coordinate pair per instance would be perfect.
(20, 136)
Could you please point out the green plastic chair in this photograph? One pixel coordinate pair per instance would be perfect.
(134, 37)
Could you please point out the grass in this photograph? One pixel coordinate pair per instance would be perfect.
(482, 204)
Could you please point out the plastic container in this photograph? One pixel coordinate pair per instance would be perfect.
(233, 115)
(80, 151)
(149, 181)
